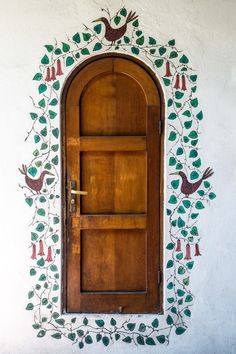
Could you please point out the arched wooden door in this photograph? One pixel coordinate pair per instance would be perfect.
(113, 166)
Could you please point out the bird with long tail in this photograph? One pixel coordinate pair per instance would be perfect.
(34, 184)
(113, 34)
(187, 187)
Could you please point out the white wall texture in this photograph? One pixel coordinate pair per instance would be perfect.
(206, 31)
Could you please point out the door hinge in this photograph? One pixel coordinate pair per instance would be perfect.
(159, 277)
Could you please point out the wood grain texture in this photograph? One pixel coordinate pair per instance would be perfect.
(113, 150)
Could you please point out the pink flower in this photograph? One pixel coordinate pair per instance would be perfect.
(168, 73)
(34, 252)
(49, 256)
(59, 71)
(41, 250)
(53, 77)
(197, 251)
(188, 255)
(177, 82)
(184, 88)
(48, 77)
(178, 247)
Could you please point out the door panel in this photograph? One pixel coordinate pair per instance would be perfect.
(113, 150)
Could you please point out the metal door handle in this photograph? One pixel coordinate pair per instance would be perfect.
(73, 191)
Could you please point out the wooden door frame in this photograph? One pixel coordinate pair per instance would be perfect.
(67, 84)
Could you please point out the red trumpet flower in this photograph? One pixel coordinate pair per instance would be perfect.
(59, 71)
(49, 256)
(53, 77)
(34, 252)
(168, 73)
(41, 250)
(197, 251)
(178, 247)
(184, 88)
(188, 254)
(48, 77)
(177, 82)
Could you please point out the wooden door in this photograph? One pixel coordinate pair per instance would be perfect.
(113, 153)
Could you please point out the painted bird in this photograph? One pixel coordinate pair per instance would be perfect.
(113, 34)
(187, 187)
(34, 184)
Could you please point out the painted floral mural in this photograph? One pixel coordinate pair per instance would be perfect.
(188, 187)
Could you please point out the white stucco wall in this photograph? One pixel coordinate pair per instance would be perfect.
(206, 31)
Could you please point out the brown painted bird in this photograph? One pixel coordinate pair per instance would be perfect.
(113, 34)
(187, 187)
(34, 184)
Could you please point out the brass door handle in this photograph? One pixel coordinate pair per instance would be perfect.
(73, 191)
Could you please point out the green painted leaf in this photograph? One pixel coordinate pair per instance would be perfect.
(86, 36)
(55, 299)
(151, 41)
(58, 51)
(45, 60)
(186, 139)
(85, 321)
(175, 183)
(127, 339)
(29, 201)
(206, 184)
(38, 77)
(55, 160)
(155, 323)
(171, 42)
(172, 161)
(190, 265)
(162, 50)
(33, 115)
(40, 262)
(41, 212)
(188, 298)
(53, 268)
(194, 215)
(187, 312)
(184, 233)
(72, 336)
(169, 264)
(186, 281)
(199, 205)
(174, 310)
(181, 210)
(170, 246)
(172, 116)
(173, 199)
(168, 212)
(169, 320)
(85, 51)
(200, 115)
(150, 341)
(32, 272)
(55, 132)
(169, 102)
(179, 256)
(50, 181)
(172, 136)
(55, 238)
(180, 330)
(49, 47)
(142, 327)
(193, 78)
(56, 85)
(173, 54)
(40, 227)
(184, 59)
(159, 63)
(170, 300)
(80, 333)
(179, 95)
(81, 345)
(194, 142)
(212, 195)
(170, 286)
(56, 335)
(179, 151)
(197, 163)
(53, 102)
(105, 341)
(55, 147)
(65, 47)
(194, 231)
(117, 336)
(131, 326)
(41, 333)
(193, 153)
(98, 337)
(174, 223)
(69, 61)
(180, 292)
(126, 39)
(76, 37)
(117, 20)
(140, 40)
(181, 270)
(135, 50)
(42, 88)
(166, 82)
(140, 340)
(34, 236)
(194, 175)
(188, 124)
(136, 23)
(181, 222)
(29, 306)
(100, 323)
(113, 322)
(56, 220)
(60, 321)
(178, 104)
(97, 46)
(42, 120)
(161, 339)
(194, 102)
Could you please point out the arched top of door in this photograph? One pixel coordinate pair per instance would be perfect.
(112, 63)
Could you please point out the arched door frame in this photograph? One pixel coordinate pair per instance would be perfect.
(67, 84)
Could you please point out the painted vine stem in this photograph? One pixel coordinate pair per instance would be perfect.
(182, 238)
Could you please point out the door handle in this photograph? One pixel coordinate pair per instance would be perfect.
(72, 193)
